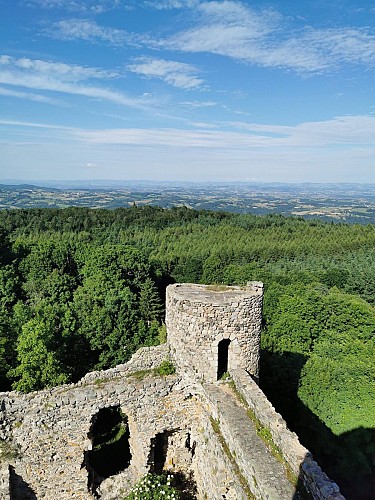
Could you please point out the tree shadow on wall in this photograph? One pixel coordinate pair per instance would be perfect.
(347, 459)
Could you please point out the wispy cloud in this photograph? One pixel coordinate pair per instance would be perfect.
(95, 6)
(203, 125)
(347, 131)
(345, 45)
(340, 130)
(63, 78)
(262, 37)
(170, 4)
(265, 38)
(68, 72)
(90, 31)
(30, 96)
(311, 151)
(175, 73)
(171, 137)
(199, 104)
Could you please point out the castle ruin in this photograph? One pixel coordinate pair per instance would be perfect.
(190, 422)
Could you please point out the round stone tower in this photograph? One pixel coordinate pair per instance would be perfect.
(212, 329)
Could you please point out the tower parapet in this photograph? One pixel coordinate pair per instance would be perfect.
(213, 329)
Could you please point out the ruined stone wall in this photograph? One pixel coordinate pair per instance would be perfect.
(48, 430)
(44, 435)
(199, 317)
(297, 456)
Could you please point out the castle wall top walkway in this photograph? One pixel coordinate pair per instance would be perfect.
(216, 294)
(265, 475)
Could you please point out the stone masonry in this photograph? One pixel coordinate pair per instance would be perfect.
(199, 317)
(202, 429)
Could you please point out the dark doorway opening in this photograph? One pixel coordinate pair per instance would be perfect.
(222, 363)
(158, 452)
(110, 454)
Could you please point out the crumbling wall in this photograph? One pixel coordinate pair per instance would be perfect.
(46, 436)
(49, 429)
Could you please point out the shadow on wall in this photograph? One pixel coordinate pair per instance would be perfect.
(19, 489)
(349, 458)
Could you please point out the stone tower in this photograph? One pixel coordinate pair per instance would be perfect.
(213, 329)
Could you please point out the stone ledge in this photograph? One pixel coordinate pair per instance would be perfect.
(216, 295)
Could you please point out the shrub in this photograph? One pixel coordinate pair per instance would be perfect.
(153, 487)
(165, 368)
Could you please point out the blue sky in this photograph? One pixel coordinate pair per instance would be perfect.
(193, 90)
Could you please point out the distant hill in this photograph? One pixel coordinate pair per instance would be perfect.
(351, 203)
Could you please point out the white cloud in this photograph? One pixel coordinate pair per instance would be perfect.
(50, 84)
(347, 131)
(67, 72)
(17, 123)
(341, 149)
(345, 45)
(232, 13)
(340, 130)
(90, 31)
(170, 4)
(233, 29)
(178, 74)
(203, 125)
(60, 77)
(95, 6)
(175, 138)
(265, 38)
(199, 104)
(30, 96)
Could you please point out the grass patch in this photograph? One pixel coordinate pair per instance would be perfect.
(166, 367)
(8, 451)
(140, 374)
(115, 435)
(263, 432)
(100, 381)
(217, 288)
(225, 376)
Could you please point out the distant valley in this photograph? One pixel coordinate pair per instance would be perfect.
(350, 203)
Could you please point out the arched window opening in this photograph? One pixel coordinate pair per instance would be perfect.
(110, 453)
(223, 354)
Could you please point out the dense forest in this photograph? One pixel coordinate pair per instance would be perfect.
(82, 289)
